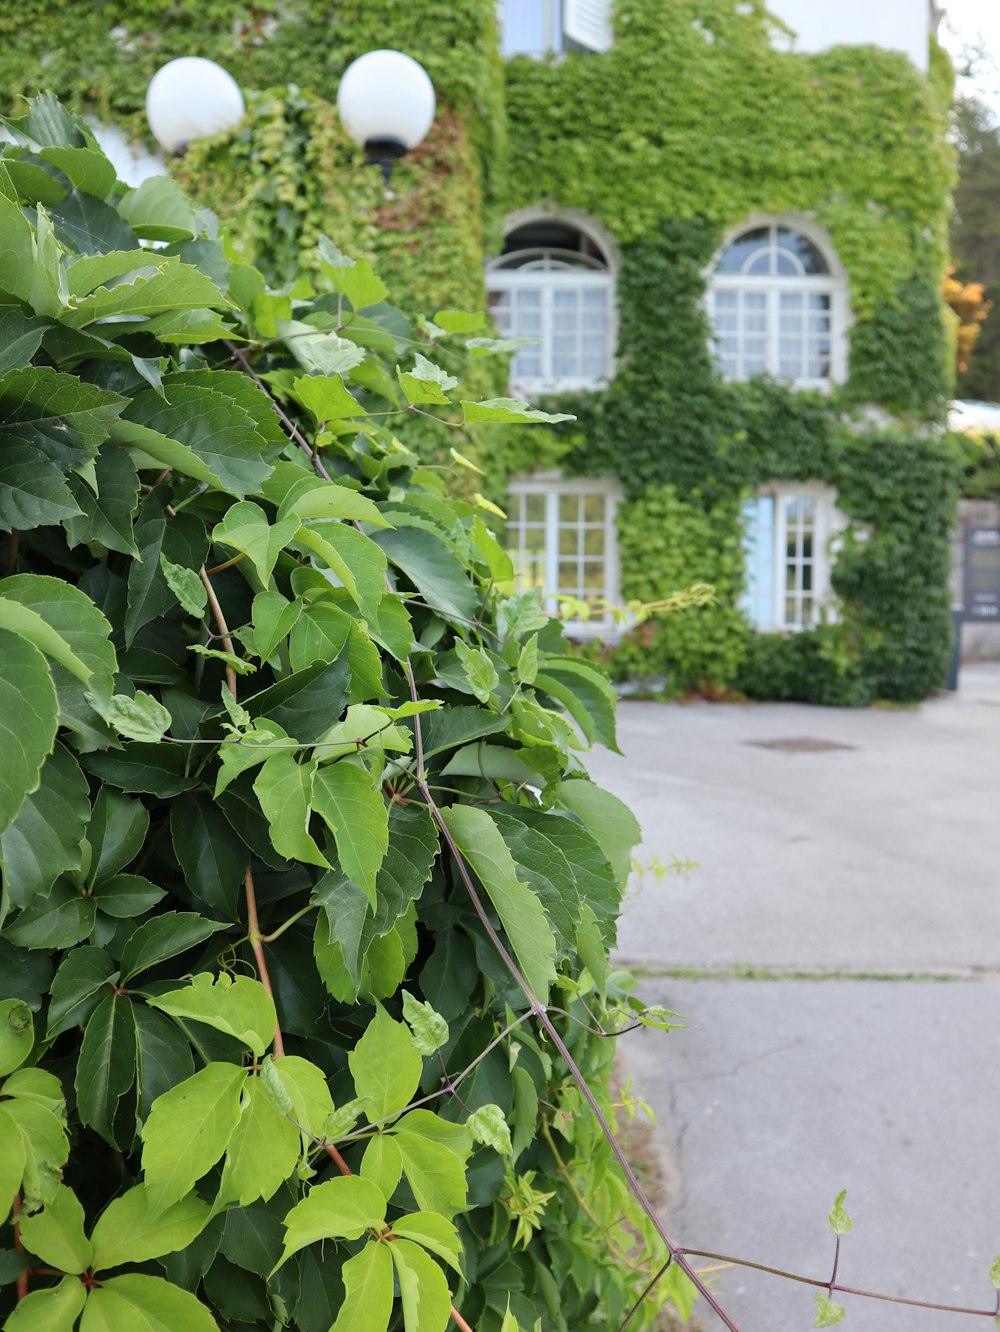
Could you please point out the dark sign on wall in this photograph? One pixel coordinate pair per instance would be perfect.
(982, 573)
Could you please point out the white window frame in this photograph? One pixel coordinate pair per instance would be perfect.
(832, 284)
(828, 528)
(585, 24)
(553, 486)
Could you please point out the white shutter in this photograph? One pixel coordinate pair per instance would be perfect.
(588, 22)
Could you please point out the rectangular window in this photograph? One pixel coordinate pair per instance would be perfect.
(561, 537)
(785, 540)
(785, 333)
(570, 321)
(535, 27)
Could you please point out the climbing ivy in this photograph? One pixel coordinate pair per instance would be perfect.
(306, 1011)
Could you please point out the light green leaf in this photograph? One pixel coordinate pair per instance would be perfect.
(273, 618)
(350, 803)
(17, 1034)
(312, 497)
(488, 1125)
(459, 321)
(434, 1171)
(34, 1084)
(128, 1232)
(141, 717)
(353, 277)
(527, 661)
(341, 1208)
(188, 1129)
(170, 287)
(12, 1162)
(239, 664)
(134, 1303)
(482, 502)
(609, 821)
(239, 1006)
(430, 1031)
(285, 791)
(463, 461)
(368, 1290)
(426, 382)
(995, 1273)
(262, 1152)
(422, 1288)
(385, 1067)
(509, 411)
(46, 1147)
(433, 1232)
(485, 346)
(479, 670)
(520, 912)
(186, 585)
(319, 351)
(840, 1222)
(326, 396)
(56, 1235)
(52, 1310)
(159, 210)
(382, 1163)
(246, 528)
(305, 1087)
(97, 270)
(355, 558)
(44, 840)
(828, 1314)
(251, 749)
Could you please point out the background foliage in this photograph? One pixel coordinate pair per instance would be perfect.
(286, 762)
(855, 137)
(975, 237)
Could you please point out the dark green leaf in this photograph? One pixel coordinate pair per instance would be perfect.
(158, 210)
(117, 831)
(79, 985)
(59, 920)
(543, 867)
(127, 896)
(163, 1057)
(306, 703)
(106, 1068)
(162, 937)
(20, 334)
(433, 570)
(213, 858)
(585, 693)
(153, 769)
(44, 840)
(107, 516)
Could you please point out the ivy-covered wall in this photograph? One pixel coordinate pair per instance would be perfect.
(689, 123)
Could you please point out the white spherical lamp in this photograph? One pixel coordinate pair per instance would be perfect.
(189, 99)
(386, 102)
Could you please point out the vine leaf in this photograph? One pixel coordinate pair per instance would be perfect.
(240, 1007)
(347, 800)
(609, 821)
(341, 1208)
(828, 1314)
(368, 1290)
(435, 1233)
(434, 571)
(105, 1069)
(840, 1222)
(78, 987)
(430, 1031)
(382, 1163)
(56, 1235)
(385, 1066)
(139, 717)
(245, 528)
(29, 716)
(434, 1171)
(285, 791)
(162, 937)
(133, 1301)
(127, 1232)
(45, 839)
(158, 210)
(509, 411)
(52, 1310)
(488, 1125)
(355, 558)
(262, 1152)
(521, 913)
(188, 1130)
(422, 1287)
(17, 1034)
(107, 516)
(479, 670)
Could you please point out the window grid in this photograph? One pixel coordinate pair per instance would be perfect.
(562, 540)
(569, 315)
(772, 305)
(787, 565)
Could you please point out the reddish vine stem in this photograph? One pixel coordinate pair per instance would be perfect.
(220, 621)
(835, 1287)
(22, 1277)
(253, 933)
(240, 355)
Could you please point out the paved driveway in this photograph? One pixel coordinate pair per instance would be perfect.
(836, 951)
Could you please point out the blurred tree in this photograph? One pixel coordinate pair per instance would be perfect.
(975, 241)
(969, 304)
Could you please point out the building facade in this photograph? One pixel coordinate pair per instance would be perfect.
(720, 228)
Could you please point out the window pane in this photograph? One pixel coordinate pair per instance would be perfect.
(569, 508)
(534, 508)
(569, 540)
(565, 300)
(593, 541)
(737, 253)
(785, 265)
(596, 299)
(726, 300)
(593, 577)
(524, 27)
(568, 577)
(755, 300)
(806, 252)
(594, 508)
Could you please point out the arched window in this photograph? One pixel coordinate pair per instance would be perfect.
(553, 283)
(778, 307)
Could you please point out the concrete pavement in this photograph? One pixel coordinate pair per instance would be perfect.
(798, 1075)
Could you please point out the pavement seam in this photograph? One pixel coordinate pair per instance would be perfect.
(643, 971)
